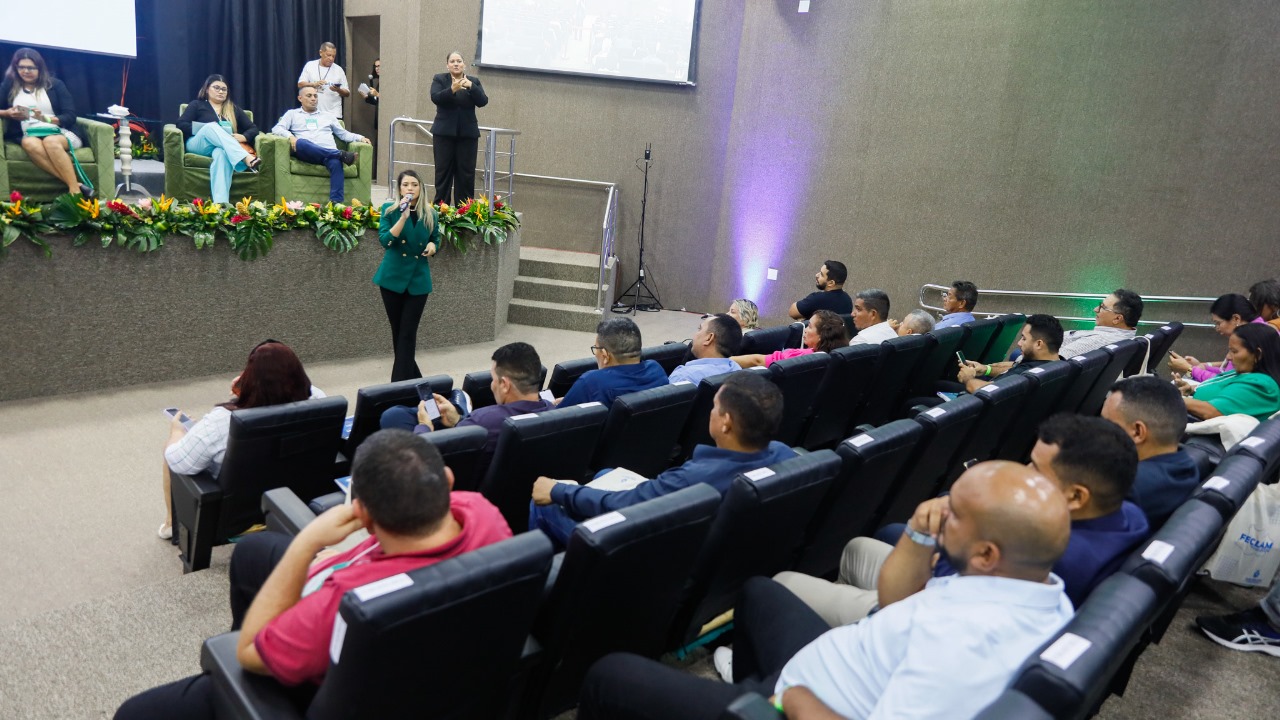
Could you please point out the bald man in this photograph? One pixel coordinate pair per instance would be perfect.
(939, 648)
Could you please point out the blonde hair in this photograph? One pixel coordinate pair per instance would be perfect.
(749, 313)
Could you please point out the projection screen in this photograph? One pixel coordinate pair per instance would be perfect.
(97, 26)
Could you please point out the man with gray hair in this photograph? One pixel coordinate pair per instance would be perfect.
(617, 354)
(917, 322)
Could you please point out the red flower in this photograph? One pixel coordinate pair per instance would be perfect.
(237, 219)
(197, 202)
(315, 205)
(120, 208)
(15, 196)
(346, 213)
(464, 208)
(498, 205)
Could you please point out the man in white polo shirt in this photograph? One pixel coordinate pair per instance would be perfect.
(328, 78)
(938, 648)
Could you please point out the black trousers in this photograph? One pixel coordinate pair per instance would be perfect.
(404, 311)
(191, 698)
(455, 159)
(772, 625)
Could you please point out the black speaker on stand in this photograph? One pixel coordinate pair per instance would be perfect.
(642, 297)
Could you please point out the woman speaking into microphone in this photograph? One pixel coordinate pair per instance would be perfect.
(409, 231)
(455, 133)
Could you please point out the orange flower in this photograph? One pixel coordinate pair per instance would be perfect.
(90, 206)
(164, 203)
(16, 209)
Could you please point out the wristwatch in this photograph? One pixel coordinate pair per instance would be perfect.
(920, 538)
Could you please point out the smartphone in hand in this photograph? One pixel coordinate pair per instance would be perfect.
(426, 395)
(182, 417)
(960, 357)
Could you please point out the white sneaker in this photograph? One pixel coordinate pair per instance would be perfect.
(165, 532)
(723, 660)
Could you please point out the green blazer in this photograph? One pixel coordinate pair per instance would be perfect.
(404, 268)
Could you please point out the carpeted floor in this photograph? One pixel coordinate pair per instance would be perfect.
(95, 608)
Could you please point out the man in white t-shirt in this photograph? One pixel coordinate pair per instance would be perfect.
(328, 78)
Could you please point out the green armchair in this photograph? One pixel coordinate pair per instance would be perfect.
(296, 180)
(98, 159)
(186, 175)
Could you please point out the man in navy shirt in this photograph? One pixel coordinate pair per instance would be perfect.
(621, 371)
(830, 294)
(744, 416)
(1153, 415)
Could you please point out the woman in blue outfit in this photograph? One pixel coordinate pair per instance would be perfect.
(222, 129)
(409, 231)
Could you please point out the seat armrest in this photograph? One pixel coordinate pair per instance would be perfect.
(241, 694)
(324, 503)
(557, 561)
(286, 512)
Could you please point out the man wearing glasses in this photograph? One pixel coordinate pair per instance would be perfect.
(1118, 316)
(621, 371)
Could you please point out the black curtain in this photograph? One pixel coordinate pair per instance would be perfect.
(260, 47)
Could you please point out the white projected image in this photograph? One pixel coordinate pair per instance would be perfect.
(96, 26)
(639, 39)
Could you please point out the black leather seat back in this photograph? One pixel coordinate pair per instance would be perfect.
(1121, 353)
(1263, 444)
(945, 428)
(565, 374)
(940, 361)
(800, 379)
(1091, 365)
(1206, 458)
(1171, 331)
(622, 578)
(643, 429)
(979, 338)
(1003, 338)
(1147, 343)
(1072, 673)
(1232, 482)
(389, 657)
(795, 334)
(292, 445)
(1002, 400)
(670, 355)
(757, 531)
(556, 443)
(765, 340)
(374, 400)
(844, 388)
(463, 451)
(870, 466)
(887, 390)
(1048, 383)
(476, 386)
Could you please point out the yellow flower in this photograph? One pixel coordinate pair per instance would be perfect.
(208, 208)
(16, 209)
(355, 202)
(90, 206)
(242, 207)
(283, 206)
(164, 203)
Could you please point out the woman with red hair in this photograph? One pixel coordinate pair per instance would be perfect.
(273, 375)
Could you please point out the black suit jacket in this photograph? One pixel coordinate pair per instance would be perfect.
(63, 106)
(456, 112)
(202, 111)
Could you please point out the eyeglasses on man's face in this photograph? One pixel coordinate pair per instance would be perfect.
(1103, 308)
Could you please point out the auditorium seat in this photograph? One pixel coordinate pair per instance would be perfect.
(870, 464)
(888, 387)
(556, 443)
(1003, 338)
(800, 380)
(1232, 483)
(765, 340)
(616, 591)
(844, 387)
(757, 531)
(1263, 445)
(643, 429)
(1013, 705)
(1002, 401)
(565, 374)
(415, 647)
(941, 360)
(795, 334)
(980, 334)
(291, 445)
(945, 427)
(374, 400)
(1121, 353)
(1091, 365)
(669, 355)
(1206, 459)
(1141, 359)
(476, 386)
(1070, 675)
(1048, 384)
(1159, 349)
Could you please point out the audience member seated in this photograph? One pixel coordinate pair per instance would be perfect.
(716, 340)
(746, 313)
(1152, 414)
(1228, 313)
(744, 417)
(1093, 464)
(285, 592)
(939, 648)
(621, 371)
(1253, 630)
(517, 376)
(1265, 296)
(958, 303)
(916, 322)
(42, 118)
(273, 375)
(310, 133)
(824, 333)
(871, 318)
(830, 294)
(1117, 319)
(1251, 388)
(1038, 343)
(222, 134)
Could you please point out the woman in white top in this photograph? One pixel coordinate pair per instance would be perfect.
(42, 117)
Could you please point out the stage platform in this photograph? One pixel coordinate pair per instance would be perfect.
(94, 318)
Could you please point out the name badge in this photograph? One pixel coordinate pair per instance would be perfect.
(313, 124)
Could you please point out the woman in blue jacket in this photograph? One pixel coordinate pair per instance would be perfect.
(409, 231)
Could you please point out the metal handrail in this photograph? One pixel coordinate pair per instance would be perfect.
(1071, 296)
(488, 169)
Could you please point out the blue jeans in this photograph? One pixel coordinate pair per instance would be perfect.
(405, 417)
(309, 152)
(213, 141)
(552, 520)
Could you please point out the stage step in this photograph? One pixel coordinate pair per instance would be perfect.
(558, 289)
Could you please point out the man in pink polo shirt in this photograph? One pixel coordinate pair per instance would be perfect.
(285, 592)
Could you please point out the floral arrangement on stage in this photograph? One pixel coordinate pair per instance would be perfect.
(249, 226)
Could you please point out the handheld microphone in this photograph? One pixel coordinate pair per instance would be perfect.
(404, 203)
